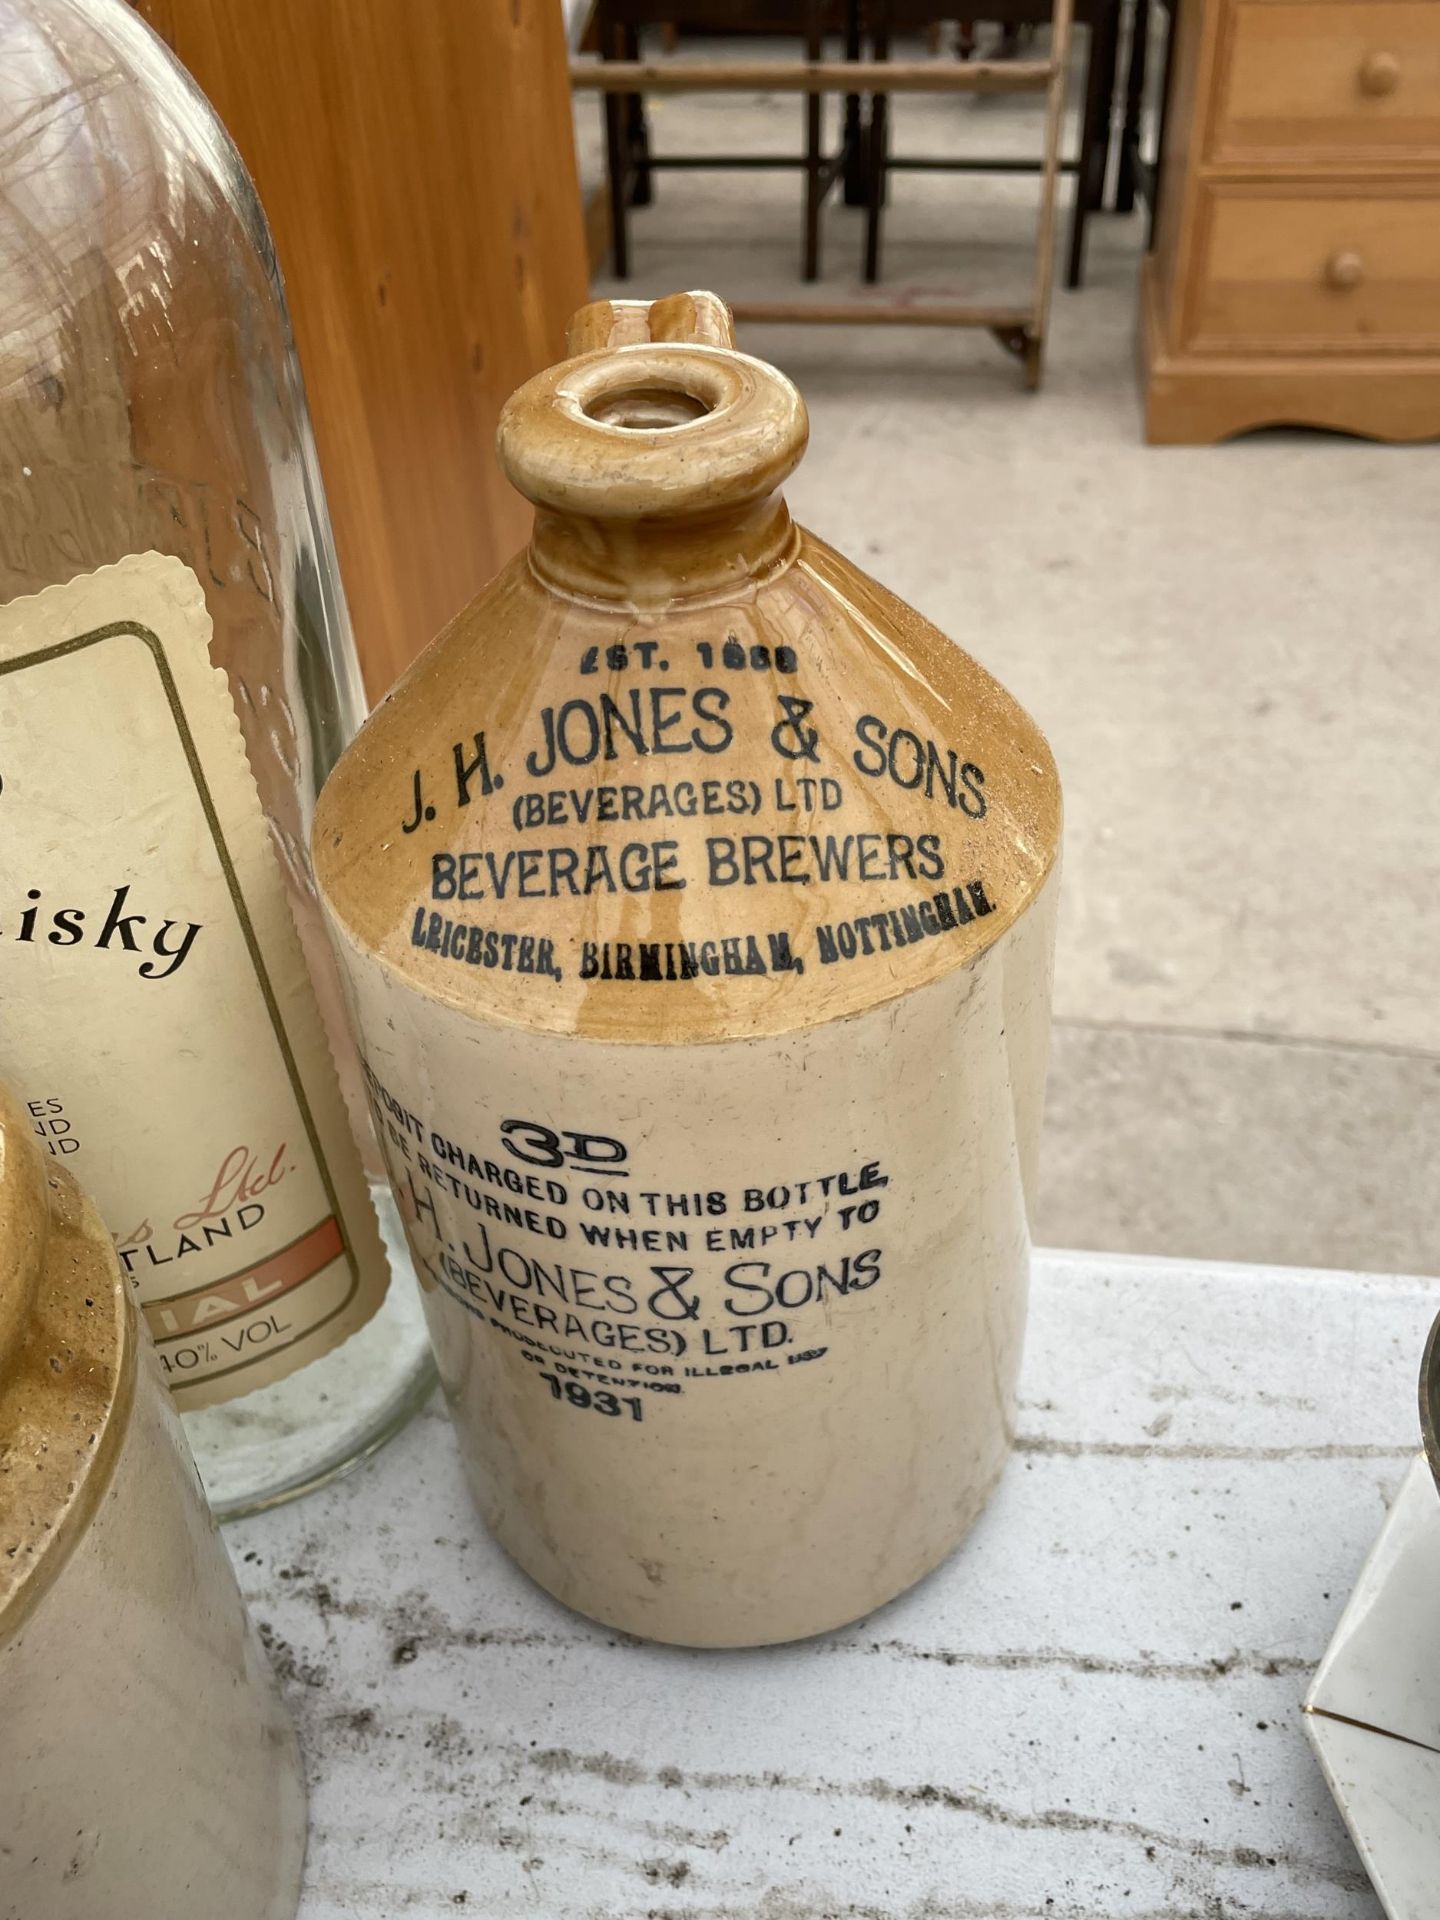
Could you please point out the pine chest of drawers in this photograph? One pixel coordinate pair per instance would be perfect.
(1295, 277)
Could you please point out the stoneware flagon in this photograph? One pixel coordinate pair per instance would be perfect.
(148, 1770)
(695, 899)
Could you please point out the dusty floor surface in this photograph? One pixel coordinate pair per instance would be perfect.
(1234, 651)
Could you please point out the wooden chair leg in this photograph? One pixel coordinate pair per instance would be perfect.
(637, 133)
(877, 153)
(637, 140)
(876, 142)
(617, 169)
(1089, 174)
(814, 158)
(1157, 178)
(882, 24)
(853, 131)
(1134, 106)
(1107, 37)
(1036, 334)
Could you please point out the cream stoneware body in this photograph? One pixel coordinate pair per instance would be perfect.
(148, 1770)
(695, 900)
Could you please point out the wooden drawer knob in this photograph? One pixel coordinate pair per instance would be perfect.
(1344, 270)
(1379, 74)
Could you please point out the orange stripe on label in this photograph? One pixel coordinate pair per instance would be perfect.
(245, 1292)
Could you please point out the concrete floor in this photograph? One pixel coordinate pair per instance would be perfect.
(1234, 652)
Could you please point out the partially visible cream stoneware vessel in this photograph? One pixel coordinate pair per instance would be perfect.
(695, 899)
(147, 1768)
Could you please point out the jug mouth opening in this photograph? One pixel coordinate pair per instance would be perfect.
(654, 431)
(648, 409)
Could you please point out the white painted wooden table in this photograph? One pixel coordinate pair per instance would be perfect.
(1093, 1709)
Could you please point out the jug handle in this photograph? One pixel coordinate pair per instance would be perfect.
(700, 319)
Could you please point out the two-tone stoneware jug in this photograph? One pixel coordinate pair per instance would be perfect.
(695, 899)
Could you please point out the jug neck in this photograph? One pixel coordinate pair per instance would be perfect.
(653, 563)
(655, 470)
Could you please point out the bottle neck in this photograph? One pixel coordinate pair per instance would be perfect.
(653, 562)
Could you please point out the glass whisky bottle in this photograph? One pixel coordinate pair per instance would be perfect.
(177, 676)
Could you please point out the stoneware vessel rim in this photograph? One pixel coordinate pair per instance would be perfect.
(1430, 1400)
(67, 1367)
(563, 453)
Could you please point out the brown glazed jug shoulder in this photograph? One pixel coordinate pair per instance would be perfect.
(695, 899)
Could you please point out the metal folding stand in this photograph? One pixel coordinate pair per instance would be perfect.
(1021, 330)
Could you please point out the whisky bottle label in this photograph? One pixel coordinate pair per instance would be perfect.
(156, 1018)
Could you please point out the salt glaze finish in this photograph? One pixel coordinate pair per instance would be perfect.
(148, 1770)
(695, 901)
